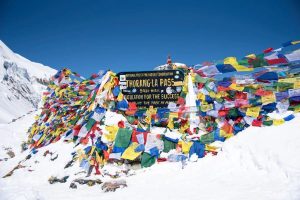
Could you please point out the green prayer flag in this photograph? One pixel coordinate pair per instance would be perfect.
(147, 160)
(73, 122)
(259, 61)
(130, 119)
(199, 79)
(233, 113)
(281, 86)
(207, 138)
(268, 123)
(243, 62)
(90, 124)
(123, 137)
(255, 101)
(168, 145)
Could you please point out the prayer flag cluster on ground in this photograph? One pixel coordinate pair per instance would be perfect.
(209, 109)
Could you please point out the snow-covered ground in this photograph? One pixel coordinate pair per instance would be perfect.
(258, 163)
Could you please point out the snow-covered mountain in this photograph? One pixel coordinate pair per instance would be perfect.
(21, 84)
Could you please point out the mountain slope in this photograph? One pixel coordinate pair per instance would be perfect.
(21, 84)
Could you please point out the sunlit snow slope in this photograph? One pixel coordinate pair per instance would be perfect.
(21, 84)
(258, 163)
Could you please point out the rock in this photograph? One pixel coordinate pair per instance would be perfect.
(46, 153)
(19, 166)
(54, 158)
(69, 164)
(111, 186)
(24, 146)
(88, 182)
(73, 186)
(10, 153)
(53, 179)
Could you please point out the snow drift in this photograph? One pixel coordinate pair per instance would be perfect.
(259, 163)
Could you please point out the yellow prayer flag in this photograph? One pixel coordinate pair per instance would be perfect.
(120, 97)
(170, 124)
(232, 61)
(183, 128)
(253, 111)
(173, 115)
(81, 155)
(108, 85)
(287, 80)
(92, 150)
(67, 72)
(295, 42)
(98, 158)
(210, 148)
(92, 106)
(236, 87)
(225, 134)
(212, 94)
(278, 122)
(252, 56)
(57, 91)
(56, 133)
(112, 132)
(297, 85)
(222, 94)
(186, 146)
(184, 89)
(77, 103)
(268, 98)
(201, 96)
(297, 109)
(41, 139)
(206, 107)
(61, 92)
(44, 98)
(33, 130)
(130, 153)
(82, 93)
(151, 110)
(241, 68)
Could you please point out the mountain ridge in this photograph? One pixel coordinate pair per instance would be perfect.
(21, 84)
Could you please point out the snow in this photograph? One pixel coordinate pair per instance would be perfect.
(34, 69)
(20, 92)
(258, 163)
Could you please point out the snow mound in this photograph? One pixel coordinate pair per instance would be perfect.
(259, 163)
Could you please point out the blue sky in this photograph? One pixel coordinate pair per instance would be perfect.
(88, 36)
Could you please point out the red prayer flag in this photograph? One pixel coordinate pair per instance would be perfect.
(268, 50)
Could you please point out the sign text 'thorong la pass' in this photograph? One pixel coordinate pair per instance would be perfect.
(151, 88)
